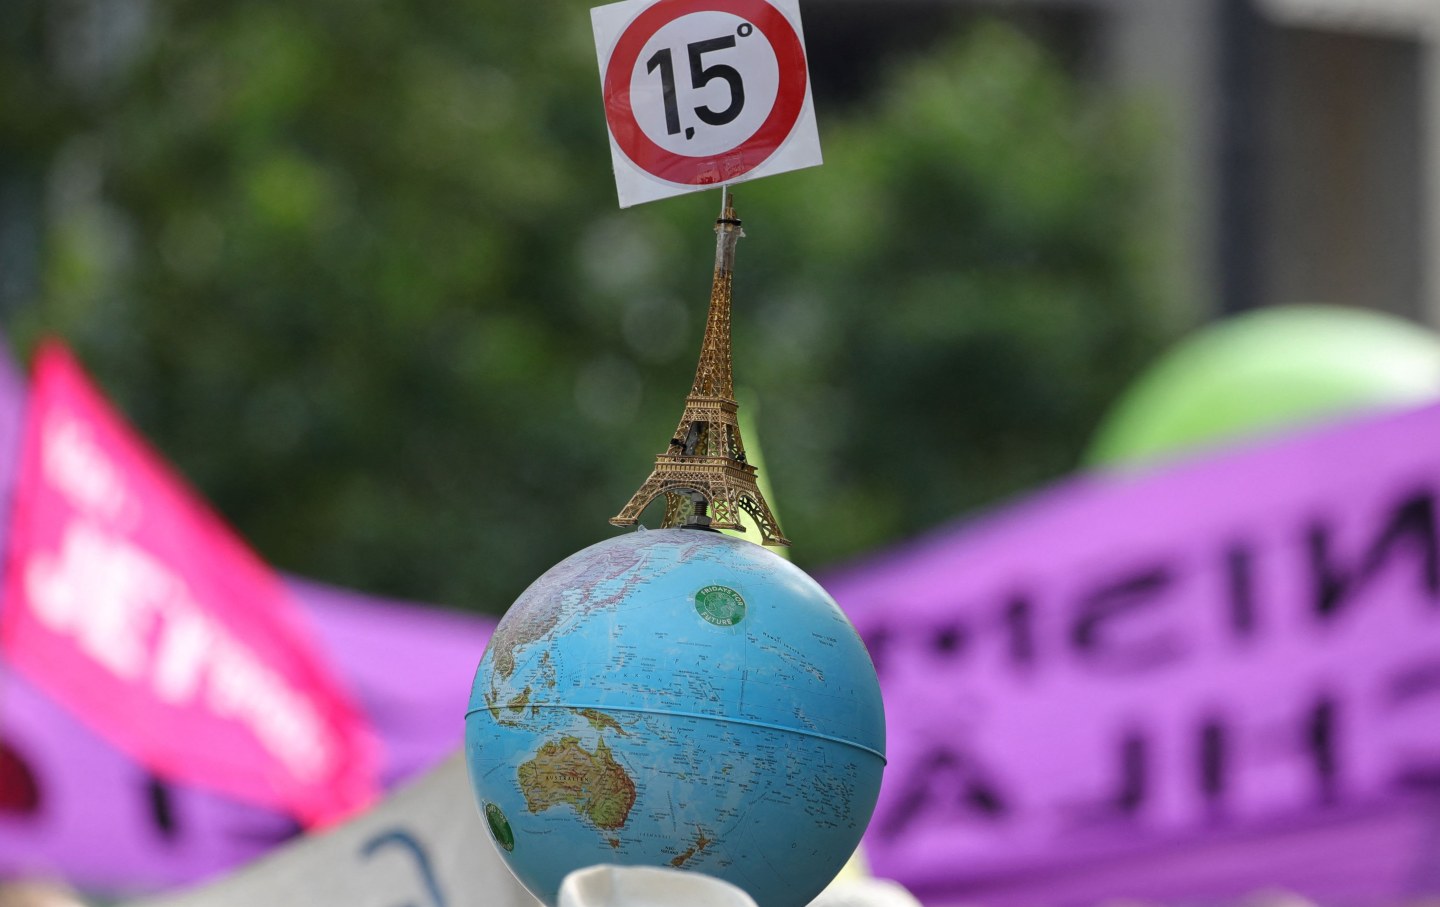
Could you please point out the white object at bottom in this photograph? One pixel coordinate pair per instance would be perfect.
(607, 885)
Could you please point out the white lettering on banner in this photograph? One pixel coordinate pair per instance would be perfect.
(137, 619)
(240, 686)
(183, 652)
(76, 466)
(99, 593)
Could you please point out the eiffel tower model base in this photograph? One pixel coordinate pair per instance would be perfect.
(705, 491)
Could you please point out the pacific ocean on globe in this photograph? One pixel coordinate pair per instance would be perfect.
(677, 697)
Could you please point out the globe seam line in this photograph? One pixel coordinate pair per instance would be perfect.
(671, 714)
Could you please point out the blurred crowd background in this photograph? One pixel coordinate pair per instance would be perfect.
(357, 268)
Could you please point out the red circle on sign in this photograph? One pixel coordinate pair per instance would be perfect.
(744, 157)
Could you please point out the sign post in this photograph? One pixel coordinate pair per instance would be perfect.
(700, 93)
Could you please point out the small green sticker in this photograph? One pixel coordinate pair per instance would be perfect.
(720, 605)
(499, 827)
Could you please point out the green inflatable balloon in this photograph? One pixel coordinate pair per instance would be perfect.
(1264, 371)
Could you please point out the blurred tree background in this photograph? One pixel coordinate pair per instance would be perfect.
(357, 269)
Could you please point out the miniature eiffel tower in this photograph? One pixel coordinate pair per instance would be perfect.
(703, 474)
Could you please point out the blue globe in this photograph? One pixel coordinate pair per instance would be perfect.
(677, 698)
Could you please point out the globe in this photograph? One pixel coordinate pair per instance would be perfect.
(677, 697)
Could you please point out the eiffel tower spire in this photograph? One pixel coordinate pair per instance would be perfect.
(703, 473)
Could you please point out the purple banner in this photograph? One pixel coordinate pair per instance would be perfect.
(1182, 685)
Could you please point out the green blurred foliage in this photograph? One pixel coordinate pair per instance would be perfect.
(357, 268)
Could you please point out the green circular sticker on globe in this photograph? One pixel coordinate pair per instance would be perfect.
(720, 605)
(499, 827)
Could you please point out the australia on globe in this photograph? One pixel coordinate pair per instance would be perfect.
(678, 698)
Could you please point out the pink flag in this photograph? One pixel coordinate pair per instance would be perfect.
(131, 603)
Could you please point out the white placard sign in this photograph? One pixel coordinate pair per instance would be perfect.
(425, 846)
(700, 93)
